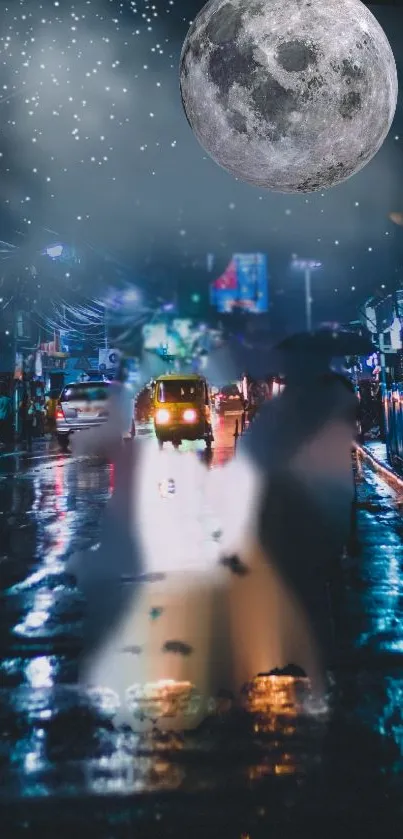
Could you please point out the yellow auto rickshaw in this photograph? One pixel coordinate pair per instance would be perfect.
(181, 409)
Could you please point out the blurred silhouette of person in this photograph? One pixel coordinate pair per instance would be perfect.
(300, 446)
(40, 413)
(27, 410)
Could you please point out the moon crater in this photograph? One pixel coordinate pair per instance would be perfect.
(296, 56)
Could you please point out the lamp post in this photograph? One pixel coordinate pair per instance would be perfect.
(54, 251)
(307, 266)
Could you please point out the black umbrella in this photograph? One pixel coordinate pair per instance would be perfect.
(299, 355)
(328, 343)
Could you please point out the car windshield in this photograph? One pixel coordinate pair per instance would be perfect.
(179, 390)
(86, 392)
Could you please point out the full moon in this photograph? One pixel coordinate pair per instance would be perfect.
(292, 96)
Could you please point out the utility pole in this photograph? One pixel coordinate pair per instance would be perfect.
(308, 299)
(307, 266)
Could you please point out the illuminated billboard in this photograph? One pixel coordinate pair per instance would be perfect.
(164, 335)
(154, 335)
(243, 285)
(180, 338)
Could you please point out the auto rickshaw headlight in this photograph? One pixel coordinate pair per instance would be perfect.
(190, 415)
(162, 416)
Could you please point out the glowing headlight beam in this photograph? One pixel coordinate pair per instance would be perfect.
(190, 415)
(162, 416)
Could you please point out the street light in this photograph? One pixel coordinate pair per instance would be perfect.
(307, 266)
(131, 295)
(54, 251)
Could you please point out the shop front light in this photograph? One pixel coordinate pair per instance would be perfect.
(162, 416)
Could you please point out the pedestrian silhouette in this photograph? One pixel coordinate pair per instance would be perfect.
(300, 446)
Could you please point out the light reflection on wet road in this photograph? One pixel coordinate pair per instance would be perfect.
(55, 741)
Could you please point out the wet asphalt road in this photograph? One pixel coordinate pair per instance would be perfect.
(342, 774)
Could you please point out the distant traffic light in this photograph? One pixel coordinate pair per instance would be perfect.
(195, 298)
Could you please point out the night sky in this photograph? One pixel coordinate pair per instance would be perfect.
(95, 146)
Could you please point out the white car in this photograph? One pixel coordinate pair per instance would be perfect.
(86, 405)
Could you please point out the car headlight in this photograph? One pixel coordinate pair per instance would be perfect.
(162, 416)
(190, 415)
